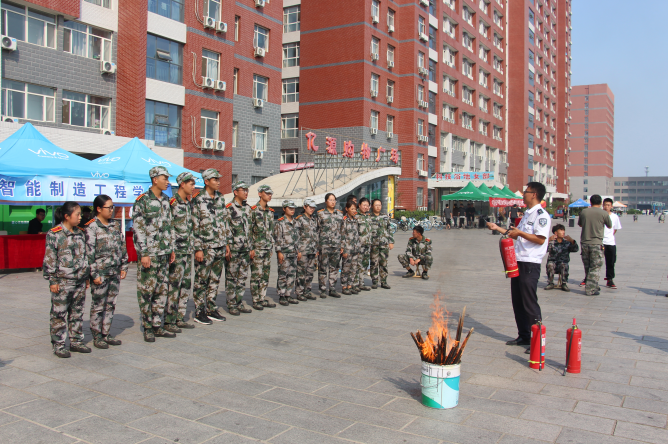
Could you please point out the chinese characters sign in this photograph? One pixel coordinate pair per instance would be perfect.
(349, 149)
(487, 175)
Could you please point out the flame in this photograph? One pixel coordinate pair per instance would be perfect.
(438, 329)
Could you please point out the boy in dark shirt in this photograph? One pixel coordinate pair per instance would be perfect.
(35, 225)
(559, 250)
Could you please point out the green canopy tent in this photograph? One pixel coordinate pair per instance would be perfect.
(489, 191)
(468, 193)
(508, 192)
(499, 192)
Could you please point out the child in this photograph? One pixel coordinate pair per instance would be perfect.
(559, 250)
(66, 268)
(350, 238)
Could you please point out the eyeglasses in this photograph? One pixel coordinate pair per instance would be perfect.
(527, 191)
(108, 208)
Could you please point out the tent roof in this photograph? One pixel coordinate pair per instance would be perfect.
(618, 204)
(132, 161)
(508, 192)
(579, 204)
(469, 192)
(489, 191)
(28, 153)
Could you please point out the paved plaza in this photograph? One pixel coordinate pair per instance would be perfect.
(346, 370)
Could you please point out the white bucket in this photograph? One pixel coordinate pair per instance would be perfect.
(440, 385)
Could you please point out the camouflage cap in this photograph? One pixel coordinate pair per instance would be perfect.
(289, 203)
(210, 174)
(265, 188)
(158, 171)
(310, 202)
(184, 177)
(239, 184)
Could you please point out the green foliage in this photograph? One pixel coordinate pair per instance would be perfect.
(634, 211)
(417, 215)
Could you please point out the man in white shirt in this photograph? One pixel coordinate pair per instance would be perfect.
(609, 246)
(530, 247)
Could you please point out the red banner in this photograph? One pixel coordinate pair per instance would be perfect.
(495, 202)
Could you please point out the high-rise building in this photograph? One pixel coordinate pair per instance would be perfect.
(640, 192)
(592, 140)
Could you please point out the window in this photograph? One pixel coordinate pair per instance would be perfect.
(236, 28)
(260, 87)
(420, 59)
(449, 27)
(212, 8)
(172, 9)
(530, 120)
(586, 190)
(467, 15)
(483, 53)
(373, 121)
(420, 161)
(467, 41)
(467, 121)
(375, 78)
(498, 88)
(85, 110)
(432, 70)
(256, 179)
(261, 39)
(390, 19)
(290, 54)
(422, 27)
(497, 111)
(531, 102)
(210, 63)
(420, 93)
(235, 133)
(290, 90)
(531, 78)
(209, 124)
(449, 56)
(259, 138)
(289, 126)
(390, 55)
(163, 124)
(375, 46)
(19, 21)
(390, 88)
(292, 18)
(164, 60)
(431, 135)
(375, 9)
(86, 41)
(390, 124)
(532, 37)
(498, 41)
(420, 127)
(432, 8)
(467, 68)
(450, 86)
(432, 102)
(236, 80)
(467, 95)
(432, 37)
(289, 156)
(26, 101)
(420, 195)
(530, 138)
(103, 3)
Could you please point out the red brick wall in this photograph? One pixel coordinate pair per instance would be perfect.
(65, 7)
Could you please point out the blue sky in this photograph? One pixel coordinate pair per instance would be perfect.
(624, 45)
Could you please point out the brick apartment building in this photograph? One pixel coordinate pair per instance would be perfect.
(592, 140)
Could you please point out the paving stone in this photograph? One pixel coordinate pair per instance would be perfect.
(102, 431)
(529, 429)
(306, 385)
(177, 406)
(591, 395)
(75, 376)
(376, 435)
(22, 432)
(130, 374)
(124, 390)
(491, 406)
(305, 419)
(569, 419)
(114, 409)
(646, 405)
(46, 413)
(249, 426)
(378, 417)
(19, 378)
(533, 399)
(240, 403)
(641, 432)
(412, 407)
(453, 432)
(62, 392)
(355, 396)
(297, 399)
(574, 436)
(301, 436)
(175, 429)
(622, 414)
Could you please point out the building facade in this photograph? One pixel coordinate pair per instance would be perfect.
(642, 192)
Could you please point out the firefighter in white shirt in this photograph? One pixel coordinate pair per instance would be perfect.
(609, 245)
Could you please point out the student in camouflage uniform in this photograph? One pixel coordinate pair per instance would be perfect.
(66, 268)
(350, 237)
(180, 270)
(418, 252)
(240, 245)
(558, 256)
(286, 237)
(211, 233)
(382, 241)
(329, 221)
(154, 242)
(108, 260)
(262, 238)
(308, 247)
(364, 257)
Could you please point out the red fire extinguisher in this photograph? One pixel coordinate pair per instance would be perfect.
(507, 249)
(573, 349)
(537, 351)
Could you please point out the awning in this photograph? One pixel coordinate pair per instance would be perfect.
(469, 192)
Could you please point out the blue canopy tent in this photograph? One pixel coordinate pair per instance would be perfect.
(579, 204)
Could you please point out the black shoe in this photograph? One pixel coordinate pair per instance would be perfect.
(519, 341)
(172, 328)
(527, 351)
(564, 287)
(268, 304)
(310, 296)
(323, 294)
(112, 340)
(79, 348)
(243, 309)
(283, 301)
(385, 286)
(148, 335)
(100, 343)
(549, 286)
(62, 353)
(184, 324)
(355, 290)
(347, 292)
(611, 285)
(425, 276)
(234, 311)
(596, 293)
(409, 274)
(292, 300)
(301, 298)
(202, 318)
(583, 283)
(258, 306)
(374, 286)
(365, 288)
(215, 316)
(162, 333)
(334, 294)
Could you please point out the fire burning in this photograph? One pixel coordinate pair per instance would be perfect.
(439, 347)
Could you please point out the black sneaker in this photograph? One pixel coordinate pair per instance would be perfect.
(519, 341)
(269, 304)
(162, 333)
(583, 283)
(425, 276)
(409, 274)
(215, 316)
(549, 286)
(374, 285)
(203, 319)
(79, 348)
(62, 353)
(611, 285)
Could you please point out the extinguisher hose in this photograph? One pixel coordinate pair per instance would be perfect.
(568, 354)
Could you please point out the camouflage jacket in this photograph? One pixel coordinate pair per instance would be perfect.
(286, 236)
(350, 236)
(308, 233)
(380, 230)
(105, 248)
(65, 255)
(182, 223)
(329, 228)
(262, 228)
(418, 249)
(209, 220)
(239, 224)
(365, 228)
(152, 225)
(560, 252)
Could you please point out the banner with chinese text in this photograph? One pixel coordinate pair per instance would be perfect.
(496, 202)
(486, 175)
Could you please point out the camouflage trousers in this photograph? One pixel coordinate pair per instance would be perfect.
(67, 311)
(363, 260)
(287, 271)
(305, 270)
(349, 270)
(328, 263)
(405, 261)
(558, 268)
(592, 259)
(152, 286)
(207, 280)
(236, 274)
(260, 268)
(103, 304)
(379, 254)
(180, 283)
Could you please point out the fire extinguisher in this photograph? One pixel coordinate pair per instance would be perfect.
(573, 349)
(508, 257)
(537, 351)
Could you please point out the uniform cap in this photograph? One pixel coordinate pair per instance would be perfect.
(210, 174)
(158, 171)
(239, 184)
(266, 188)
(289, 203)
(184, 177)
(310, 202)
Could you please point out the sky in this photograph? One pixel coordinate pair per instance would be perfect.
(624, 45)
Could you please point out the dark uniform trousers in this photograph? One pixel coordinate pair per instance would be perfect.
(524, 297)
(610, 253)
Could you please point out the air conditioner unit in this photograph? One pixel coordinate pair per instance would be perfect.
(390, 135)
(390, 63)
(218, 145)
(259, 52)
(374, 93)
(390, 28)
(259, 3)
(107, 67)
(374, 19)
(208, 144)
(464, 154)
(373, 131)
(258, 103)
(107, 132)
(208, 82)
(257, 154)
(422, 173)
(374, 56)
(8, 43)
(219, 85)
(209, 22)
(424, 2)
(423, 104)
(390, 99)
(221, 27)
(423, 71)
(9, 119)
(424, 36)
